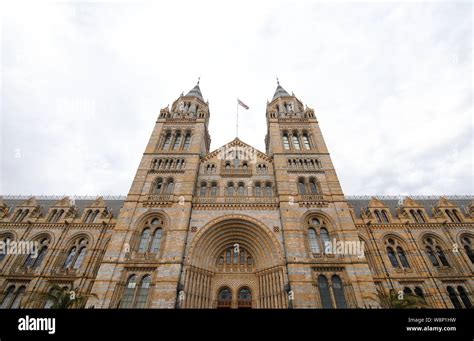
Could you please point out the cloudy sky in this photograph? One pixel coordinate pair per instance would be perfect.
(82, 84)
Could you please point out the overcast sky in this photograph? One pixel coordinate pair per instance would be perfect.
(83, 83)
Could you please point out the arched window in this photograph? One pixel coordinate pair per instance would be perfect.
(268, 189)
(415, 216)
(8, 297)
(435, 252)
(80, 258)
(295, 141)
(41, 254)
(392, 258)
(213, 189)
(401, 256)
(378, 216)
(3, 253)
(129, 292)
(385, 217)
(465, 241)
(203, 190)
(421, 217)
(142, 294)
(338, 292)
(306, 141)
(313, 241)
(456, 216)
(51, 216)
(144, 240)
(187, 140)
(313, 187)
(301, 186)
(450, 216)
(324, 292)
(453, 297)
(228, 256)
(18, 297)
(244, 299)
(241, 189)
(167, 141)
(170, 186)
(230, 189)
(286, 142)
(155, 245)
(324, 238)
(464, 297)
(86, 219)
(177, 140)
(441, 256)
(224, 298)
(70, 257)
(419, 293)
(258, 191)
(398, 256)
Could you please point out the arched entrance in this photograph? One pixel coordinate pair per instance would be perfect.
(224, 298)
(236, 262)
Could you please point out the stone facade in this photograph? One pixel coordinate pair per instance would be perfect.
(239, 228)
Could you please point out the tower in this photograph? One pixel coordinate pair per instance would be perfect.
(147, 245)
(313, 210)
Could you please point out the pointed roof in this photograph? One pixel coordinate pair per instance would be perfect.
(279, 92)
(195, 92)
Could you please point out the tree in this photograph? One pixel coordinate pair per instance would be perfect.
(63, 298)
(404, 301)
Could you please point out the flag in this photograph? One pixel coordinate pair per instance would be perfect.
(242, 104)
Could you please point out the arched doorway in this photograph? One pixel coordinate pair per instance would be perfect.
(244, 299)
(234, 261)
(224, 298)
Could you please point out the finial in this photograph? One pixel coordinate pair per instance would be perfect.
(199, 79)
(278, 81)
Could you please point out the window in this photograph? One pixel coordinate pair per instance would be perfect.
(69, 258)
(378, 216)
(144, 240)
(143, 292)
(158, 186)
(7, 298)
(401, 256)
(313, 241)
(324, 238)
(3, 253)
(18, 297)
(224, 298)
(385, 217)
(203, 190)
(127, 297)
(241, 189)
(435, 252)
(465, 241)
(177, 140)
(244, 298)
(338, 292)
(453, 297)
(464, 297)
(453, 216)
(230, 189)
(213, 189)
(31, 261)
(187, 141)
(295, 141)
(80, 258)
(167, 141)
(324, 292)
(306, 141)
(396, 254)
(268, 189)
(258, 191)
(313, 187)
(169, 187)
(286, 142)
(392, 257)
(155, 245)
(301, 186)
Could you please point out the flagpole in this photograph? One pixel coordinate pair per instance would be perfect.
(237, 121)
